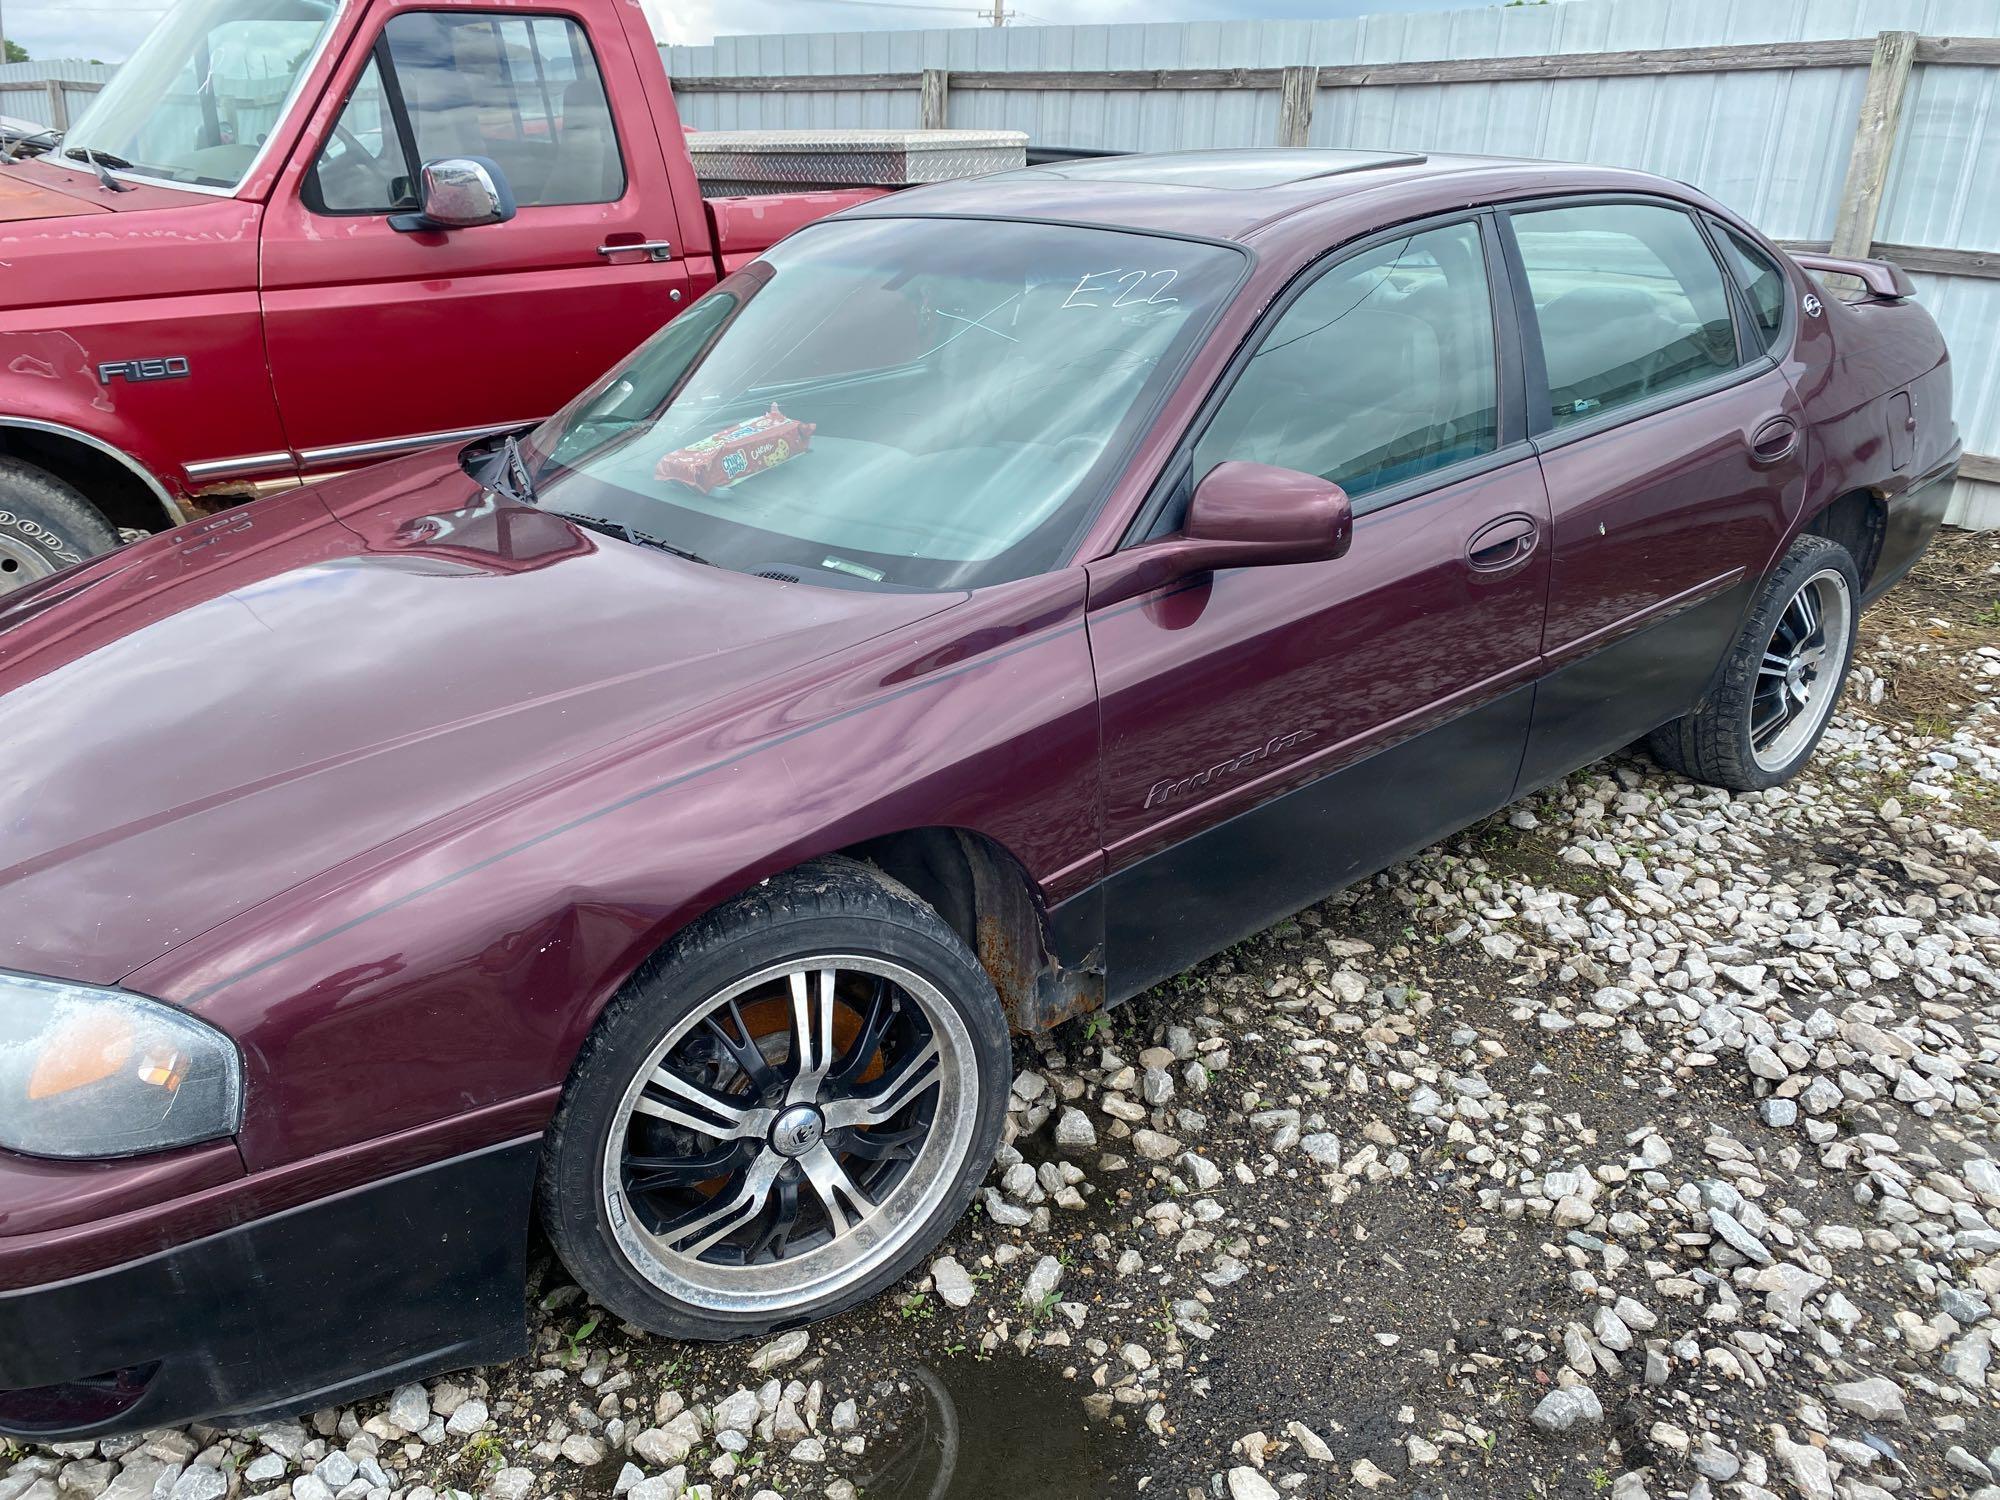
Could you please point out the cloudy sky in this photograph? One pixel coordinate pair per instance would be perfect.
(109, 29)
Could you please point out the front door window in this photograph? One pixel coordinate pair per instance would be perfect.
(1381, 371)
(522, 91)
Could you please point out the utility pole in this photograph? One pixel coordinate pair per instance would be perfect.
(997, 15)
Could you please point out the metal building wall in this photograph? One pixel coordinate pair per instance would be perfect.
(1773, 145)
(33, 104)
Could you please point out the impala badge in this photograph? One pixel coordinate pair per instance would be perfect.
(1165, 791)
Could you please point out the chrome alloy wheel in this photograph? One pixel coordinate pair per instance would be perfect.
(1799, 674)
(791, 1134)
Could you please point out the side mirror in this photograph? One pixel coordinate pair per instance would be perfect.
(1245, 514)
(458, 192)
(1242, 515)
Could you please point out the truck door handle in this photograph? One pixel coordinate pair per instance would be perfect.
(1774, 442)
(1502, 543)
(654, 249)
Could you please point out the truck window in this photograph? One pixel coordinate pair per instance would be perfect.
(522, 91)
(197, 100)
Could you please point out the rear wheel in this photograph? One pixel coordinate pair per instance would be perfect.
(44, 525)
(781, 1116)
(1777, 690)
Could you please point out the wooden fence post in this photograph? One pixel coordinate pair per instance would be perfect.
(1295, 105)
(58, 104)
(1874, 143)
(933, 99)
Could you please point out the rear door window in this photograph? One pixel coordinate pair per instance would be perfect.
(1630, 303)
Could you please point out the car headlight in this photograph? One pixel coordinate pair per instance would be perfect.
(86, 1072)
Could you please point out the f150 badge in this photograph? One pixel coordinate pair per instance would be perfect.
(165, 367)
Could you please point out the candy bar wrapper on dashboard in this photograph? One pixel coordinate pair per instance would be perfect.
(736, 452)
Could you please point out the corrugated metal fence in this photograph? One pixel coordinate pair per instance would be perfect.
(50, 93)
(1758, 102)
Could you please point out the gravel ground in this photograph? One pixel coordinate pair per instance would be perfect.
(1639, 1140)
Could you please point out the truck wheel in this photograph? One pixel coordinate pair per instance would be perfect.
(1779, 684)
(44, 525)
(782, 1113)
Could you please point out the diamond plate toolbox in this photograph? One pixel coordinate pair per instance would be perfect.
(770, 161)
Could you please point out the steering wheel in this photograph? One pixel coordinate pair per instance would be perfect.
(358, 155)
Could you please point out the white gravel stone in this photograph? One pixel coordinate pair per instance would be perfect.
(954, 1285)
(1245, 1483)
(1566, 1407)
(1877, 1399)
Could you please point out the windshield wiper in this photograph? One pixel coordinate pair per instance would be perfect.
(99, 162)
(519, 483)
(637, 538)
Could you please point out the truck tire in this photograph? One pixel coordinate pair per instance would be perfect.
(782, 1113)
(1777, 687)
(45, 525)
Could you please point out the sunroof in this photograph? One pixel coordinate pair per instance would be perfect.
(1241, 169)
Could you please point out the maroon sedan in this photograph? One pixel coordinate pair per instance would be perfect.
(985, 605)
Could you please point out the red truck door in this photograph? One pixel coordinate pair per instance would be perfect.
(381, 341)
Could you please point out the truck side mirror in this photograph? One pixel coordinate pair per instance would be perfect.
(458, 192)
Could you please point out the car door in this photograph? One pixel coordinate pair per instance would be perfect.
(1272, 733)
(380, 340)
(1674, 450)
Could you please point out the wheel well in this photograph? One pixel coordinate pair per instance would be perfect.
(985, 896)
(119, 494)
(1857, 521)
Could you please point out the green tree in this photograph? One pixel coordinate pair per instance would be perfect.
(16, 52)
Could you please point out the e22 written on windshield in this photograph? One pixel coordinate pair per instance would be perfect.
(1123, 288)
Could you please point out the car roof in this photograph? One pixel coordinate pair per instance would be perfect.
(1233, 194)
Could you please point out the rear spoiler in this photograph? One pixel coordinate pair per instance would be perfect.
(1886, 281)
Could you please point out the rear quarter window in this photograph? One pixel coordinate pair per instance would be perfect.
(1762, 282)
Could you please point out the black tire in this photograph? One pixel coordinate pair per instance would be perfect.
(45, 525)
(1714, 742)
(832, 906)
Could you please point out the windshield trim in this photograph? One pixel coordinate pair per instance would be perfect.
(278, 126)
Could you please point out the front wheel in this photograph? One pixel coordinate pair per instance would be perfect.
(45, 525)
(1777, 689)
(783, 1114)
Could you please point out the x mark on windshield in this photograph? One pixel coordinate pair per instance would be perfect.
(972, 323)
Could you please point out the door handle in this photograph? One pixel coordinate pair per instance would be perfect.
(655, 249)
(1502, 543)
(1774, 442)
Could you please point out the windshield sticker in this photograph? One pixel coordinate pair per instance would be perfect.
(736, 452)
(1125, 288)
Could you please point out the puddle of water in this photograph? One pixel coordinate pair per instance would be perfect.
(989, 1430)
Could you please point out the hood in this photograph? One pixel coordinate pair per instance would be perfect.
(24, 196)
(205, 719)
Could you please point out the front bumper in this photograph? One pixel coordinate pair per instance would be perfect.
(403, 1278)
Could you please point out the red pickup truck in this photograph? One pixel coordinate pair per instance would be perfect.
(292, 236)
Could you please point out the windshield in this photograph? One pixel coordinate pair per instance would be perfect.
(898, 402)
(204, 90)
